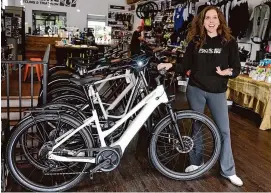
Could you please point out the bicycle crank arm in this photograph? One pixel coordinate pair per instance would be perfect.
(71, 159)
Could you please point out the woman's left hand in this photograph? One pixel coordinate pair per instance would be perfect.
(226, 72)
(164, 65)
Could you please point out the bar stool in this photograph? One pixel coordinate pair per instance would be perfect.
(37, 66)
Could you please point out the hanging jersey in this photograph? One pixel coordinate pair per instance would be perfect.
(178, 18)
(260, 17)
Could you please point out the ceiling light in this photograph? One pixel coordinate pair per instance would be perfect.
(78, 10)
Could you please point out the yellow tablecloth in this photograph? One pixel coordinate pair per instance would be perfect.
(252, 94)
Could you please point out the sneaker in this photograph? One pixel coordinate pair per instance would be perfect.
(191, 168)
(234, 180)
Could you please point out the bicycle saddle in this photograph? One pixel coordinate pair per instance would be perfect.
(85, 80)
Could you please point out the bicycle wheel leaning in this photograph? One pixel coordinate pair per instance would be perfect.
(200, 150)
(35, 136)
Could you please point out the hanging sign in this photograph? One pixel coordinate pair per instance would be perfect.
(117, 7)
(66, 3)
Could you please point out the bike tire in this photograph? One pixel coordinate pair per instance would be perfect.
(65, 91)
(59, 68)
(69, 98)
(25, 182)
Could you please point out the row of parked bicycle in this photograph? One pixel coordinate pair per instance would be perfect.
(93, 112)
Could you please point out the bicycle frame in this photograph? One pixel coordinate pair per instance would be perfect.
(131, 86)
(148, 105)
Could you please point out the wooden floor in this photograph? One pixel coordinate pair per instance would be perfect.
(252, 154)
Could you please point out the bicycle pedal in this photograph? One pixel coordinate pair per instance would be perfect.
(104, 163)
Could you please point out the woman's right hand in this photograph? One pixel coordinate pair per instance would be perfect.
(164, 65)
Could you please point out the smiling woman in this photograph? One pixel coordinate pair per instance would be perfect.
(211, 22)
(212, 58)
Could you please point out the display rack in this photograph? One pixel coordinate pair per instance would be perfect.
(15, 30)
(120, 18)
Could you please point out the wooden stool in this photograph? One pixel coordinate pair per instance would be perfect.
(37, 66)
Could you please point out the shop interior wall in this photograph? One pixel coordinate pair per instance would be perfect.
(74, 18)
(251, 4)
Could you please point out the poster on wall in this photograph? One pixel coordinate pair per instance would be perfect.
(66, 3)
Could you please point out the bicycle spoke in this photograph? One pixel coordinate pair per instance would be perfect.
(201, 153)
(38, 139)
(184, 160)
(42, 177)
(198, 131)
(166, 137)
(165, 146)
(176, 161)
(200, 137)
(40, 133)
(165, 152)
(172, 157)
(163, 142)
(32, 172)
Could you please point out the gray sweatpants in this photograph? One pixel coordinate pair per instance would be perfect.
(217, 103)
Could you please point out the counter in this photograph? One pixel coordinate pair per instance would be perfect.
(36, 46)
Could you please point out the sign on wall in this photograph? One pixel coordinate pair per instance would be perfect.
(117, 7)
(66, 3)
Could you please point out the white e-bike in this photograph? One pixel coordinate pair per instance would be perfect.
(65, 150)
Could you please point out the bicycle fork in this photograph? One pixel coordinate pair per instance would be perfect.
(175, 125)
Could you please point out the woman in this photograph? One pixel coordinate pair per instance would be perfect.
(211, 58)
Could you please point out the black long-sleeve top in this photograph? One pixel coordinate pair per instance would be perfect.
(203, 62)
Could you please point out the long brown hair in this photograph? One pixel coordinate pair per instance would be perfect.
(198, 30)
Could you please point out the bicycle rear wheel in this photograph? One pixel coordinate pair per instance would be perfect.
(202, 144)
(36, 136)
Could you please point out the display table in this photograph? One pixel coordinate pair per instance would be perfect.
(252, 94)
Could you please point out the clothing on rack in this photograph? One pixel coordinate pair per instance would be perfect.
(176, 2)
(260, 17)
(268, 32)
(239, 19)
(200, 8)
(178, 18)
(182, 14)
(227, 11)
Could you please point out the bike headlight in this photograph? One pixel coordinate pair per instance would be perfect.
(139, 63)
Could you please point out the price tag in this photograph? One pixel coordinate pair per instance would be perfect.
(181, 82)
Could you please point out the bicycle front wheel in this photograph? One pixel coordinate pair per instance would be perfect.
(200, 150)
